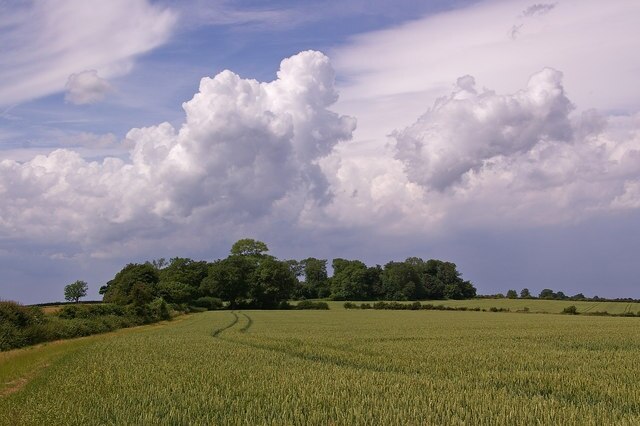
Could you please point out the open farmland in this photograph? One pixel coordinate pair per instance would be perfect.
(337, 366)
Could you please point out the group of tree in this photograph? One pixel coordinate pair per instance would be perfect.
(413, 279)
(249, 276)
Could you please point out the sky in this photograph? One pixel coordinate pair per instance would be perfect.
(501, 135)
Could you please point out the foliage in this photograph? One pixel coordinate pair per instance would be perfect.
(26, 325)
(308, 304)
(271, 283)
(316, 281)
(180, 279)
(401, 281)
(74, 291)
(210, 303)
(512, 294)
(229, 279)
(349, 280)
(136, 283)
(571, 310)
(249, 247)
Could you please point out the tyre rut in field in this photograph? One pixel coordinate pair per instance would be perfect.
(248, 325)
(217, 331)
(313, 357)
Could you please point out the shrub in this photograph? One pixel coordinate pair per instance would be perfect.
(349, 305)
(159, 310)
(307, 304)
(570, 310)
(210, 303)
(19, 315)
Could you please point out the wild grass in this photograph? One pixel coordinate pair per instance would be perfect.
(343, 367)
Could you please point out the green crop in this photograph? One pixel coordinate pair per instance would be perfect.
(343, 367)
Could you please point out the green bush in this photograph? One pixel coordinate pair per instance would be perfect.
(210, 303)
(570, 310)
(90, 311)
(307, 304)
(18, 315)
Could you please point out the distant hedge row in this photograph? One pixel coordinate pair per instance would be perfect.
(572, 310)
(417, 306)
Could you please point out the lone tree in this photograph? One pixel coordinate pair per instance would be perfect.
(73, 292)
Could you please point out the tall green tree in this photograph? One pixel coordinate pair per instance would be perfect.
(547, 293)
(271, 283)
(74, 291)
(229, 279)
(316, 281)
(133, 283)
(180, 279)
(349, 280)
(401, 281)
(443, 280)
(249, 247)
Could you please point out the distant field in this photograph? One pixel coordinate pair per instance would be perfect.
(338, 367)
(534, 305)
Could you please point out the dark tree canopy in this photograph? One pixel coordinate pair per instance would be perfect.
(180, 279)
(349, 280)
(229, 279)
(272, 282)
(401, 281)
(547, 293)
(316, 281)
(249, 247)
(132, 284)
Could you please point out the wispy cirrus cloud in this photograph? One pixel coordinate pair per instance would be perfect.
(45, 42)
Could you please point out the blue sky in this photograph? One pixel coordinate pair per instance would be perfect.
(501, 135)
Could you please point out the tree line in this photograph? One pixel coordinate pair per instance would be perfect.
(549, 294)
(250, 277)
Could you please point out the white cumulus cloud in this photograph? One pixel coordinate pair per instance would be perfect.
(86, 87)
(463, 130)
(479, 159)
(244, 147)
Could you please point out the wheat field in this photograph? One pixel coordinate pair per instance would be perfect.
(341, 367)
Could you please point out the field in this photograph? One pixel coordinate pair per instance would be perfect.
(334, 367)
